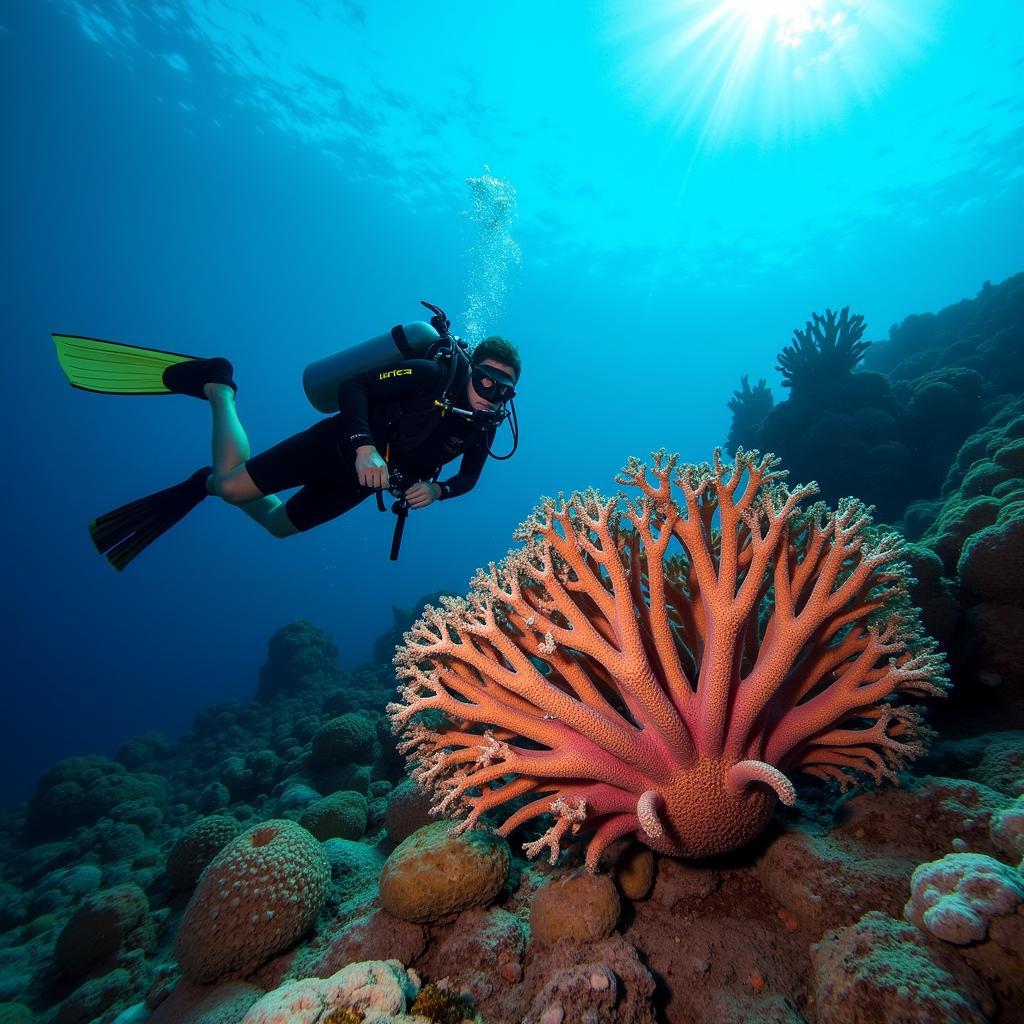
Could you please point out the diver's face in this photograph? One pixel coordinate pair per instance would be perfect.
(475, 399)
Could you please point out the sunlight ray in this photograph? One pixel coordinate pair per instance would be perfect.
(765, 70)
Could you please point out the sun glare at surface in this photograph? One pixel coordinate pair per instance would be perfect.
(766, 69)
(788, 21)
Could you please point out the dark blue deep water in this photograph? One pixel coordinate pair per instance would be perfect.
(274, 181)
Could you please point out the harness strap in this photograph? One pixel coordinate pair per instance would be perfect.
(402, 342)
(429, 416)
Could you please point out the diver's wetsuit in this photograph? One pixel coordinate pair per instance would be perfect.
(390, 407)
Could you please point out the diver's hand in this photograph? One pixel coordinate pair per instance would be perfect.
(371, 469)
(422, 494)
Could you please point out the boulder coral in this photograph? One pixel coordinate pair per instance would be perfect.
(300, 657)
(408, 809)
(99, 927)
(344, 739)
(341, 815)
(258, 895)
(581, 907)
(196, 847)
(978, 533)
(435, 873)
(984, 488)
(80, 790)
(632, 866)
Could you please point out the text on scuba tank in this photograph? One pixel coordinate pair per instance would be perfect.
(394, 373)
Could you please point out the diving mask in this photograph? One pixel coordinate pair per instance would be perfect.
(493, 384)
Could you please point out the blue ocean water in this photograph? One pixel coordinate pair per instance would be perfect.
(273, 181)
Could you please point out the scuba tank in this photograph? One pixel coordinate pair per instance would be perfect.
(320, 380)
(416, 340)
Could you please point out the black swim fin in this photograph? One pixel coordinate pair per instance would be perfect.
(128, 530)
(188, 378)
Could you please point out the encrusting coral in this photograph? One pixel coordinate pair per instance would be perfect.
(627, 691)
(440, 1006)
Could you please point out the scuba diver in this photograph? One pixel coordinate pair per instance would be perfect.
(405, 404)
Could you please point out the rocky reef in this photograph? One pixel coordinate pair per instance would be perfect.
(276, 864)
(204, 896)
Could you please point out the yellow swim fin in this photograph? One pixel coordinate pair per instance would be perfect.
(112, 368)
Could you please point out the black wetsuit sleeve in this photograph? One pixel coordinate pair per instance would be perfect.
(390, 382)
(469, 472)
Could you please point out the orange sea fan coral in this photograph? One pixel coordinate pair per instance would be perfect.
(662, 668)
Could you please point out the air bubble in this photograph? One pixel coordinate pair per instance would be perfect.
(492, 256)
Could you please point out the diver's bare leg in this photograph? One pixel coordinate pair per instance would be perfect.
(231, 480)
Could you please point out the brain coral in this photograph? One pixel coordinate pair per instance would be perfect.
(258, 895)
(196, 847)
(956, 898)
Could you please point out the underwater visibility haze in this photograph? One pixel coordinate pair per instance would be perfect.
(771, 673)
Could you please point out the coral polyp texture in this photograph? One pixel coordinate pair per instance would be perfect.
(258, 895)
(662, 664)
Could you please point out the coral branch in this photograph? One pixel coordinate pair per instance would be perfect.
(660, 665)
